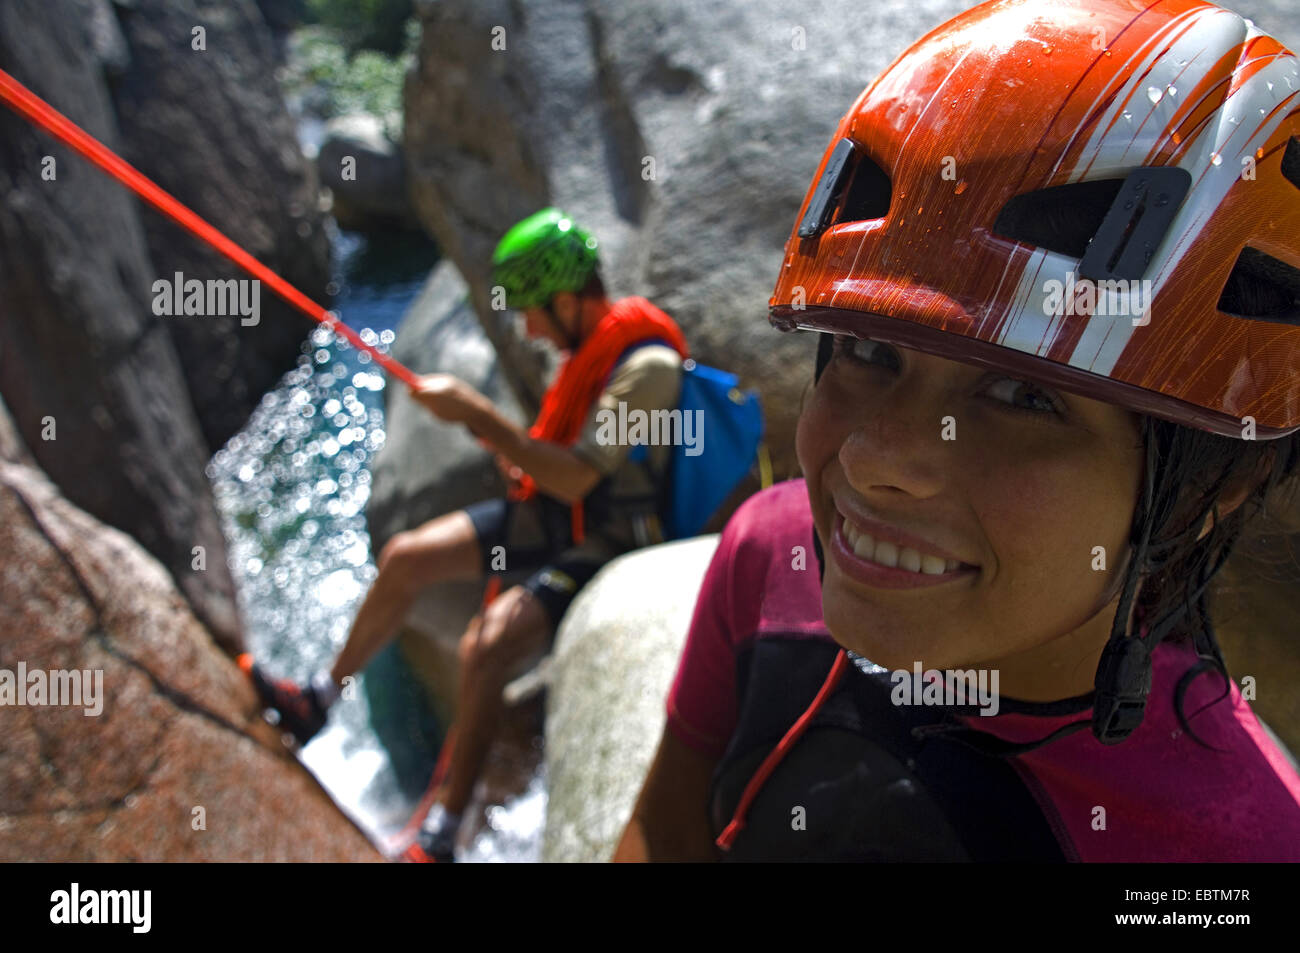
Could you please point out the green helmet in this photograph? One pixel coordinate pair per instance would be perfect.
(542, 256)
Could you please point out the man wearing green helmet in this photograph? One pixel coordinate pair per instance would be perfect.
(576, 500)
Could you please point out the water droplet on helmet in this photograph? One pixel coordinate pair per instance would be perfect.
(1155, 95)
(1216, 159)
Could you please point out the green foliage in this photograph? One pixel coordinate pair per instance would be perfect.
(335, 83)
(378, 25)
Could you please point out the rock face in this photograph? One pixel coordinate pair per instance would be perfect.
(177, 765)
(140, 402)
(84, 360)
(370, 191)
(210, 126)
(615, 657)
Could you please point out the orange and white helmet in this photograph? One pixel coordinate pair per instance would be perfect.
(1100, 194)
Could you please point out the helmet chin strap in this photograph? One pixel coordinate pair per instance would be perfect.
(825, 344)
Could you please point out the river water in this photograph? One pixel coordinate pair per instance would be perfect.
(292, 488)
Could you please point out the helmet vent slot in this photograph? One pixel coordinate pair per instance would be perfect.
(1062, 219)
(1262, 288)
(868, 195)
(1291, 162)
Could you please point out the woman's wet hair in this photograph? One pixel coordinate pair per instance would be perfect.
(1194, 472)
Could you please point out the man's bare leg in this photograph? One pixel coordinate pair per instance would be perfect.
(444, 549)
(512, 627)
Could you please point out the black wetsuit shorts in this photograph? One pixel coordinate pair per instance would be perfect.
(535, 536)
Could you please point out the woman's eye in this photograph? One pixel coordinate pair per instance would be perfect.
(866, 351)
(1023, 396)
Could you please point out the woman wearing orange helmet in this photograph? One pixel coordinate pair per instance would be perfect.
(1054, 254)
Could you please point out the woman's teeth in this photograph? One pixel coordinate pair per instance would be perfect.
(889, 554)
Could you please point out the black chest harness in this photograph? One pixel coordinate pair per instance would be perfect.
(868, 780)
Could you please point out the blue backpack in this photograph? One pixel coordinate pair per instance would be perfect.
(730, 429)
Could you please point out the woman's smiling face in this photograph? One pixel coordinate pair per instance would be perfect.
(988, 495)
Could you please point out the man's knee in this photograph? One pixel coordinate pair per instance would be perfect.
(416, 557)
(514, 624)
(398, 558)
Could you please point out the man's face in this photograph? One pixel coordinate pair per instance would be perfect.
(1010, 485)
(538, 324)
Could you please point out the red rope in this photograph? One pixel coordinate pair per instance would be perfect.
(576, 527)
(27, 104)
(728, 836)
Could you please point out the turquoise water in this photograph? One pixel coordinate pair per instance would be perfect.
(292, 488)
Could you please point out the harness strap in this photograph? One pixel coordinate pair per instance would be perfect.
(732, 830)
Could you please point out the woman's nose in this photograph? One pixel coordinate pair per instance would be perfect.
(902, 442)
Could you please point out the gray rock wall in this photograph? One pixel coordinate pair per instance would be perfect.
(80, 344)
(141, 401)
(371, 195)
(210, 126)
